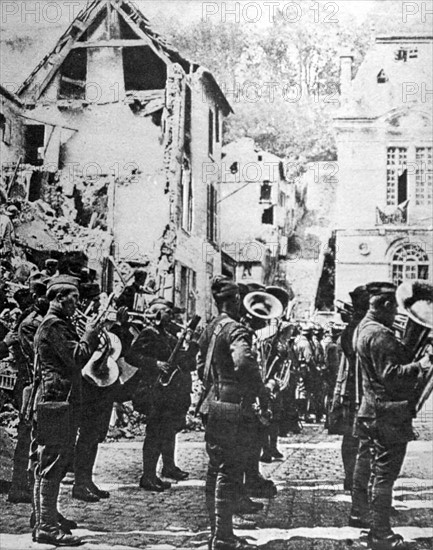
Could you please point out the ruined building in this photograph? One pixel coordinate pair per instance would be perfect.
(115, 112)
(259, 211)
(385, 160)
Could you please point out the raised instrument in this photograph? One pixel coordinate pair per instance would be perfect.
(166, 379)
(415, 298)
(102, 369)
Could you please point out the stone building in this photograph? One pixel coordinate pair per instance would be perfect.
(385, 172)
(258, 211)
(134, 120)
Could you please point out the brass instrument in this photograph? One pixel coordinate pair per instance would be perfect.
(191, 327)
(415, 298)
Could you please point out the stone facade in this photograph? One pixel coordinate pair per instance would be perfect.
(384, 139)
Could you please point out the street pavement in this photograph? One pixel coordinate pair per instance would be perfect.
(309, 512)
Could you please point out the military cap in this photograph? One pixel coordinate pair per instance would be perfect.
(88, 291)
(37, 282)
(159, 303)
(380, 289)
(51, 261)
(359, 297)
(12, 210)
(61, 282)
(223, 287)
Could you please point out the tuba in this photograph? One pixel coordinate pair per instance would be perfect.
(415, 298)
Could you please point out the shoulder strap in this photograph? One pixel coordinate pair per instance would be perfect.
(210, 350)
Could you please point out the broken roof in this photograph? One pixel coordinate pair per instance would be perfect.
(95, 12)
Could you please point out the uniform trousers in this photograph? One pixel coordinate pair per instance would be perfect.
(50, 465)
(227, 458)
(386, 463)
(160, 440)
(349, 452)
(97, 404)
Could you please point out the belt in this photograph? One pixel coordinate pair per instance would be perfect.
(229, 392)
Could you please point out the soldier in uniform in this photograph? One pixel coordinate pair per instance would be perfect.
(228, 365)
(350, 442)
(20, 489)
(61, 356)
(169, 404)
(390, 389)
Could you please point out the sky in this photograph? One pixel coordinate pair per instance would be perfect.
(34, 26)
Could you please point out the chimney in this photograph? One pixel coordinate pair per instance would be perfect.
(346, 60)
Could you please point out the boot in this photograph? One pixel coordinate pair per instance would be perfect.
(232, 543)
(47, 530)
(388, 543)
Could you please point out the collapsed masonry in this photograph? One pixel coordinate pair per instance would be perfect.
(125, 124)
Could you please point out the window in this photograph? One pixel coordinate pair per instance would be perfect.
(188, 283)
(265, 191)
(268, 216)
(409, 262)
(187, 196)
(396, 176)
(187, 121)
(424, 176)
(6, 129)
(210, 136)
(381, 77)
(212, 206)
(403, 54)
(34, 141)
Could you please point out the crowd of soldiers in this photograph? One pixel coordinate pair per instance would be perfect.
(253, 391)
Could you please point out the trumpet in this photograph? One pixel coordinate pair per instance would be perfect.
(82, 319)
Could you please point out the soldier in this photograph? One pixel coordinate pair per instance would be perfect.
(169, 404)
(390, 387)
(61, 356)
(307, 361)
(228, 365)
(19, 490)
(352, 395)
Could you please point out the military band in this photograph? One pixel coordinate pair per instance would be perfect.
(257, 386)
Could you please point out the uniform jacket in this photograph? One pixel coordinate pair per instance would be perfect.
(153, 345)
(233, 360)
(387, 374)
(62, 355)
(26, 334)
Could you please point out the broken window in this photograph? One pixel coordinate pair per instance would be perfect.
(73, 75)
(212, 207)
(143, 69)
(268, 216)
(265, 191)
(396, 175)
(381, 77)
(210, 129)
(187, 121)
(34, 136)
(260, 158)
(234, 168)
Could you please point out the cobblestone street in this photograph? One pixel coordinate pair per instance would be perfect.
(309, 512)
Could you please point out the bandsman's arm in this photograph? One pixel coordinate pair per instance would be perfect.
(387, 357)
(244, 359)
